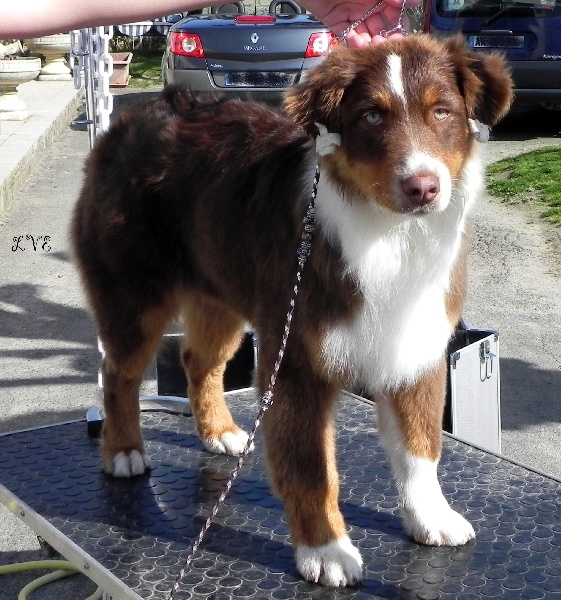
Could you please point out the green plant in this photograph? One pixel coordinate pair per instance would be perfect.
(145, 43)
(533, 176)
(145, 69)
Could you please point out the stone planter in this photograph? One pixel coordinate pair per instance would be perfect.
(54, 48)
(121, 62)
(13, 73)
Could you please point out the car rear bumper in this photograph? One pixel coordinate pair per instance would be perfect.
(201, 81)
(538, 96)
(537, 80)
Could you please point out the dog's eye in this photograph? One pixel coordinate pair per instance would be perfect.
(373, 118)
(441, 113)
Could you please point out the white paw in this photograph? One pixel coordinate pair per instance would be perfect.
(336, 564)
(128, 464)
(443, 527)
(230, 442)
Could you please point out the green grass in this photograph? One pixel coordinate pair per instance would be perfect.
(533, 176)
(145, 68)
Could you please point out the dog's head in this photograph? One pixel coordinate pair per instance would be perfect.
(406, 112)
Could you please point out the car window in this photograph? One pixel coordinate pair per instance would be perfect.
(498, 8)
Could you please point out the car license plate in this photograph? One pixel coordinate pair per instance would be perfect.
(264, 79)
(497, 41)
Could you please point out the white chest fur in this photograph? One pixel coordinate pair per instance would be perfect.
(402, 265)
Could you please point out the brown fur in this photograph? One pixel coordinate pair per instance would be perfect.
(195, 208)
(212, 335)
(419, 411)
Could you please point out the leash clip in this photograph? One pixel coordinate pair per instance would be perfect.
(326, 142)
(397, 29)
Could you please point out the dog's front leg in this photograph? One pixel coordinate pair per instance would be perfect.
(301, 455)
(410, 425)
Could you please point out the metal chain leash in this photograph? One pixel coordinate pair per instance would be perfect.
(267, 398)
(374, 9)
(398, 28)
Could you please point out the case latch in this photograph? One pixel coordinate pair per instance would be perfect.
(486, 358)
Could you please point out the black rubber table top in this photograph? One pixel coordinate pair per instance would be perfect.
(141, 529)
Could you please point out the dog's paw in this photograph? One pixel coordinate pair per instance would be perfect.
(336, 564)
(127, 464)
(230, 442)
(444, 527)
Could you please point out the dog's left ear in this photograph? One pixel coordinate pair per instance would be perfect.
(484, 80)
(318, 98)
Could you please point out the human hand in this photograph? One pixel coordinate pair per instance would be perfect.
(340, 14)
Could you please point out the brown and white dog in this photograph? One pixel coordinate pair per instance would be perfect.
(196, 208)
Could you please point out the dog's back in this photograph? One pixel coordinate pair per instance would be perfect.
(147, 178)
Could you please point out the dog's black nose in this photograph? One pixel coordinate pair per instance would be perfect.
(422, 188)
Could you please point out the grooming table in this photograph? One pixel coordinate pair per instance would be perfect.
(131, 536)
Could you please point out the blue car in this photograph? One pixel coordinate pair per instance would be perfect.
(245, 55)
(527, 31)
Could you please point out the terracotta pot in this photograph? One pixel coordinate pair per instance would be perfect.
(120, 76)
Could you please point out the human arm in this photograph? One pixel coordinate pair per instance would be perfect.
(32, 18)
(339, 14)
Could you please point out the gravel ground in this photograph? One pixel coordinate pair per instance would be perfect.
(515, 288)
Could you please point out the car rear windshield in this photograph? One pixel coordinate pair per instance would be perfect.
(495, 9)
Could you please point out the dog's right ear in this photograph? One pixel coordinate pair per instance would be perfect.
(318, 98)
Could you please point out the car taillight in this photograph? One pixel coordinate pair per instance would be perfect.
(321, 44)
(186, 44)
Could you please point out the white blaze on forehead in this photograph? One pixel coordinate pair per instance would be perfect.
(395, 76)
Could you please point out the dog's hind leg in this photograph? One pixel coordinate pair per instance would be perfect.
(410, 425)
(300, 447)
(130, 340)
(213, 333)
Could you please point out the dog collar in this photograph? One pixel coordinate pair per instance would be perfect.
(479, 130)
(326, 143)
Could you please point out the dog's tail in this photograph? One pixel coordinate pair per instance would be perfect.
(185, 103)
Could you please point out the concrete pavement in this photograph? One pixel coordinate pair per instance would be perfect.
(47, 341)
(51, 105)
